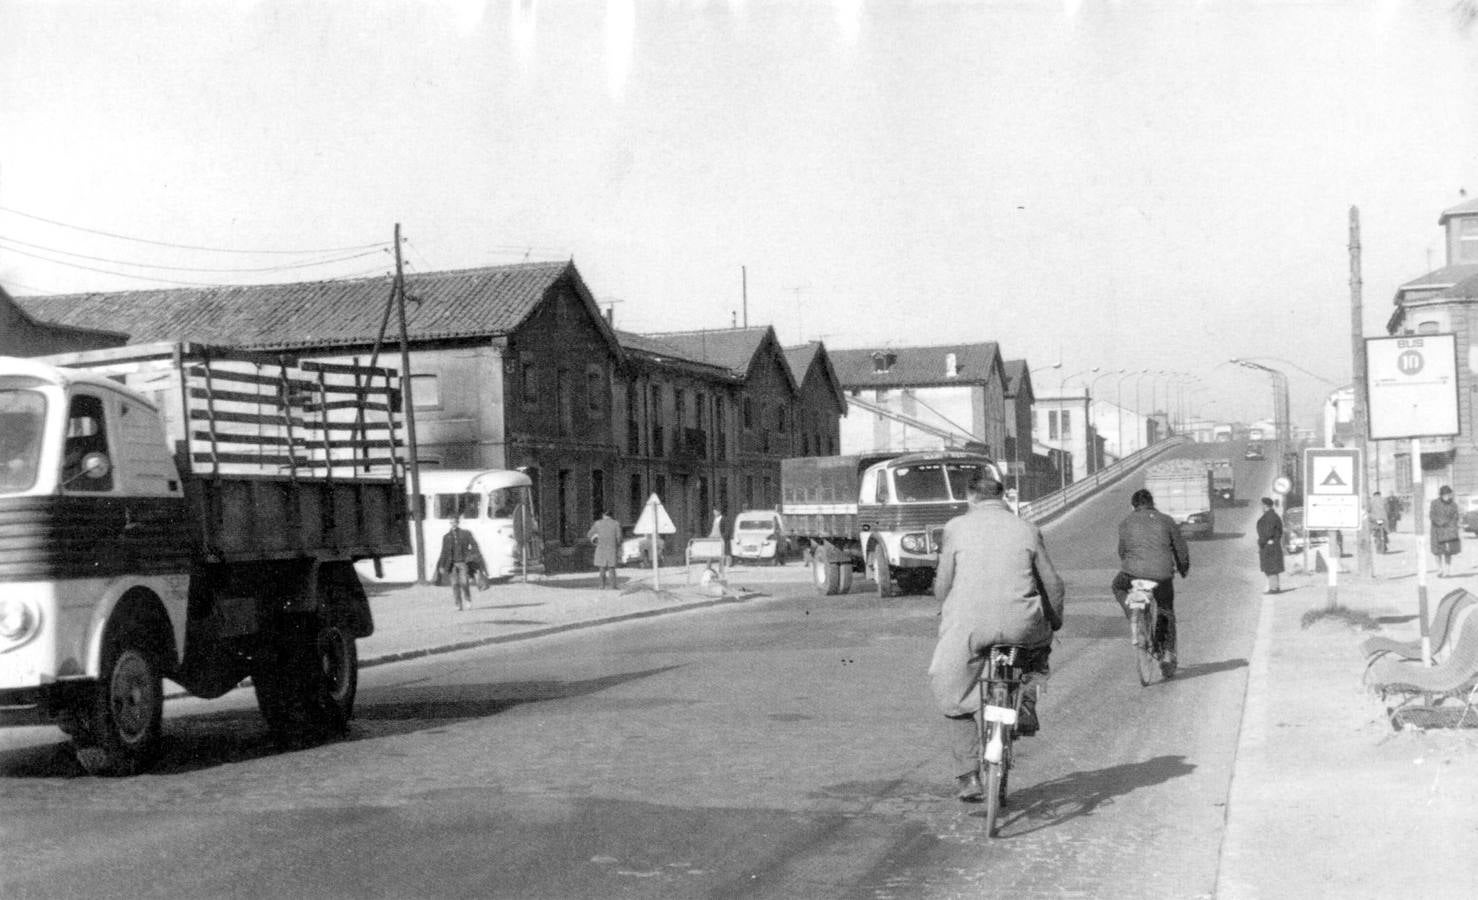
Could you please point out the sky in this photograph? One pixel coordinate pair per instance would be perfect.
(1102, 188)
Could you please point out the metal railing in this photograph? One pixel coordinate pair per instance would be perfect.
(1051, 505)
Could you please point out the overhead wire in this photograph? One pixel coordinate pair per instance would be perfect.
(125, 237)
(75, 265)
(5, 239)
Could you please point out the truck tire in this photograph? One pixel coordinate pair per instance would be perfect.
(306, 681)
(844, 577)
(121, 730)
(882, 573)
(827, 576)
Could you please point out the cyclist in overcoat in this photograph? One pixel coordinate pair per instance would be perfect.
(997, 586)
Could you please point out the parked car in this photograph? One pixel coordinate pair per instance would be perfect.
(1470, 514)
(760, 536)
(1294, 534)
(636, 549)
(1254, 451)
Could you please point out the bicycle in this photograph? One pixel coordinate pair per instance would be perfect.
(1001, 683)
(1144, 613)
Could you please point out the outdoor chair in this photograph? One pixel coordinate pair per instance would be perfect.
(1443, 622)
(1422, 692)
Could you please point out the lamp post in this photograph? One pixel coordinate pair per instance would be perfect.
(1119, 405)
(1281, 425)
(1092, 421)
(1142, 440)
(1062, 421)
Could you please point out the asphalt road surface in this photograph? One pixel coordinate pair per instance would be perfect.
(778, 748)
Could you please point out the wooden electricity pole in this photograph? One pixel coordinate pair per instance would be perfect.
(1360, 423)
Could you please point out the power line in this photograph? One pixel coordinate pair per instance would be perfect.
(4, 240)
(63, 262)
(124, 237)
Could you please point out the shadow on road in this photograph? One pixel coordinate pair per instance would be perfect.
(209, 739)
(1051, 803)
(1199, 669)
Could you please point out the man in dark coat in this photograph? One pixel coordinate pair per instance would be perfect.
(606, 533)
(1151, 547)
(459, 562)
(1393, 511)
(997, 586)
(1270, 545)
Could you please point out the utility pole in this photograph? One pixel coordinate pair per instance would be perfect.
(1364, 562)
(744, 292)
(410, 415)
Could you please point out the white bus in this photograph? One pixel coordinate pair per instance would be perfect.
(487, 500)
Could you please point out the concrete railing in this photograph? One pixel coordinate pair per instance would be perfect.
(1048, 507)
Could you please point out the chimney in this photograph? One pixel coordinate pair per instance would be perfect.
(951, 367)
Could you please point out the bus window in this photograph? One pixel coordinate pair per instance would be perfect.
(463, 506)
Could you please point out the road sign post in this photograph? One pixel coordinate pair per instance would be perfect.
(1413, 393)
(653, 521)
(1331, 502)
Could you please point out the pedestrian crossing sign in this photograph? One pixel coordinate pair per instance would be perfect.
(1332, 488)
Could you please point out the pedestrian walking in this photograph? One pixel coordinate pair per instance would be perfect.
(1270, 545)
(606, 533)
(1393, 511)
(459, 563)
(1446, 537)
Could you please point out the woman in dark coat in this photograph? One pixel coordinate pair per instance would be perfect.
(1270, 545)
(1446, 536)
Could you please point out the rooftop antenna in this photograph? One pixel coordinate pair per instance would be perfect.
(744, 292)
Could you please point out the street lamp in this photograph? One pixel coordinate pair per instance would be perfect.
(1119, 405)
(1281, 423)
(1143, 437)
(1062, 421)
(1091, 420)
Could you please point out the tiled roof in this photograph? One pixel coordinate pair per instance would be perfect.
(463, 303)
(916, 366)
(799, 359)
(1016, 370)
(662, 352)
(732, 348)
(1449, 282)
(1467, 208)
(802, 358)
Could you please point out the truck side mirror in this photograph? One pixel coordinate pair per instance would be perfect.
(96, 465)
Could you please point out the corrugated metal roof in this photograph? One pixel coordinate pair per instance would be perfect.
(915, 366)
(464, 303)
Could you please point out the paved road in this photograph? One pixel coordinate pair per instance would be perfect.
(775, 748)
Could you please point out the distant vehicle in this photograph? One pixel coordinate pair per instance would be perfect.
(636, 549)
(1182, 491)
(1223, 479)
(1295, 536)
(486, 500)
(1470, 514)
(760, 535)
(1254, 451)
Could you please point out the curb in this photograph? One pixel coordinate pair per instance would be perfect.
(1251, 737)
(402, 655)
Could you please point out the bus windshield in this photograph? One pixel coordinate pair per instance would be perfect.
(22, 414)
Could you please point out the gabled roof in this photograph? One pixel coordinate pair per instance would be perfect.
(481, 302)
(812, 356)
(918, 366)
(735, 349)
(1462, 209)
(20, 310)
(1458, 282)
(1018, 377)
(654, 350)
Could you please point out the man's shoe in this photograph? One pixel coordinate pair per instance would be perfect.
(970, 790)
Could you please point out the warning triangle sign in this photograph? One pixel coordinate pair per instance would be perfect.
(1333, 480)
(654, 518)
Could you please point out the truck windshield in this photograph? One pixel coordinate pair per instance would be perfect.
(935, 482)
(22, 414)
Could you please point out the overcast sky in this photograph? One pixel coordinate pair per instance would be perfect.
(1105, 184)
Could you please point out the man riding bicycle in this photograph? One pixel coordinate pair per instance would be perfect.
(997, 586)
(1151, 547)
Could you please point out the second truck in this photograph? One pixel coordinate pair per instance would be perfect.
(882, 513)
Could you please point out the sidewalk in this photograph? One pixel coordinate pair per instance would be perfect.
(419, 620)
(1327, 800)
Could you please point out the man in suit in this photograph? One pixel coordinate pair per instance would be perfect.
(460, 561)
(997, 586)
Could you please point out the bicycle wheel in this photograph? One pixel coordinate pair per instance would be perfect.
(1144, 642)
(997, 771)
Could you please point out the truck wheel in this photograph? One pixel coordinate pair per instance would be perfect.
(122, 729)
(882, 573)
(844, 577)
(306, 682)
(826, 575)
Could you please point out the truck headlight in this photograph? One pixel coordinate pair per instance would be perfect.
(18, 619)
(915, 543)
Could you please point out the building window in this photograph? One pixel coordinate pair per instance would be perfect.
(1051, 424)
(635, 498)
(633, 427)
(1467, 241)
(1067, 425)
(563, 397)
(426, 391)
(597, 493)
(720, 430)
(595, 392)
(748, 414)
(528, 378)
(655, 414)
